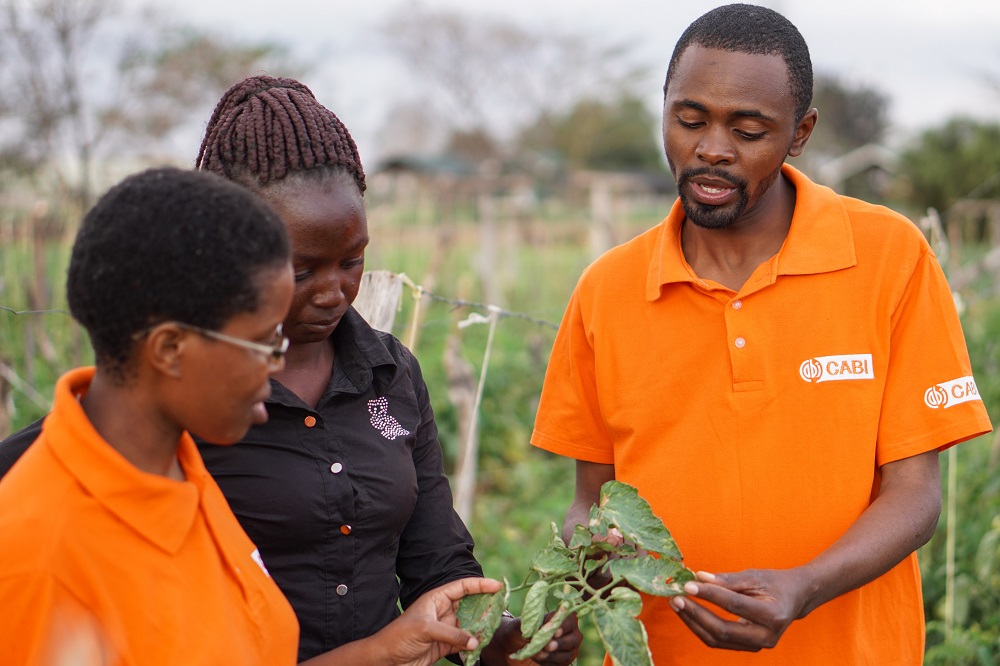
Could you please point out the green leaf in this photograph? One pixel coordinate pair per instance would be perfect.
(544, 633)
(660, 577)
(598, 547)
(480, 615)
(621, 506)
(555, 559)
(623, 635)
(626, 599)
(571, 594)
(683, 576)
(533, 610)
(581, 537)
(605, 551)
(617, 571)
(556, 536)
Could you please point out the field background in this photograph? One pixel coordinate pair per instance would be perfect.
(535, 263)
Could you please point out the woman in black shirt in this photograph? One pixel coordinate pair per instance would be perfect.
(343, 490)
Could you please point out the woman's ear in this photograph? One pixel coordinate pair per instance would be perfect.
(164, 347)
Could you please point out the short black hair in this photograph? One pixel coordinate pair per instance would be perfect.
(752, 29)
(169, 244)
(267, 129)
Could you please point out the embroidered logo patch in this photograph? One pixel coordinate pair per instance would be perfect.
(837, 368)
(387, 425)
(949, 394)
(255, 556)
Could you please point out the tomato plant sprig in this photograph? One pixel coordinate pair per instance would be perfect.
(649, 561)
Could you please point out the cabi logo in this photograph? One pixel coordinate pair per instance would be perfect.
(837, 368)
(949, 394)
(255, 556)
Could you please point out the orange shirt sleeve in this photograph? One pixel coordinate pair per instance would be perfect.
(569, 420)
(930, 400)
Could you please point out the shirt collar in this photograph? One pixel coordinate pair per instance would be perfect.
(361, 359)
(161, 510)
(819, 240)
(361, 354)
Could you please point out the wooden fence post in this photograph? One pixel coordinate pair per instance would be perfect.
(468, 457)
(6, 405)
(462, 394)
(602, 206)
(378, 299)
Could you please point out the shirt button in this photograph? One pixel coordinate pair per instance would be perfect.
(336, 468)
(310, 421)
(345, 529)
(341, 590)
(740, 343)
(737, 305)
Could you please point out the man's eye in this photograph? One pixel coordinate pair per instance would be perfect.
(689, 124)
(751, 136)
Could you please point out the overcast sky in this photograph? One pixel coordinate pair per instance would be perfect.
(928, 56)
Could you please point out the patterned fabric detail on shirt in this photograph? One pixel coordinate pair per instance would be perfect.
(387, 425)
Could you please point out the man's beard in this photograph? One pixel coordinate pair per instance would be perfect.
(708, 216)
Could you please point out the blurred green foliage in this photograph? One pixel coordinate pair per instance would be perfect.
(521, 489)
(957, 160)
(975, 636)
(617, 135)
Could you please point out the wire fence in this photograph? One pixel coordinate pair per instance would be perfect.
(418, 292)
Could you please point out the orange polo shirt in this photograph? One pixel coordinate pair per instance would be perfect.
(755, 421)
(101, 563)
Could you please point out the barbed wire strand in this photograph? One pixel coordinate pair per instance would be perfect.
(32, 312)
(418, 291)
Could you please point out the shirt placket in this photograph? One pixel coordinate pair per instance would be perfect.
(340, 507)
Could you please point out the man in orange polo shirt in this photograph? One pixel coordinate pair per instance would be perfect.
(774, 367)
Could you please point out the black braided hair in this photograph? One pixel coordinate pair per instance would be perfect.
(266, 129)
(752, 29)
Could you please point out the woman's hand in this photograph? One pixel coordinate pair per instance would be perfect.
(428, 630)
(422, 635)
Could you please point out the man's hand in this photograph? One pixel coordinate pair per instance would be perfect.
(507, 640)
(765, 602)
(900, 519)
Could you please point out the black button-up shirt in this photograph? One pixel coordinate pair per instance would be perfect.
(344, 499)
(348, 503)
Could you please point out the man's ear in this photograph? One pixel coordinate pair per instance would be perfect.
(803, 131)
(164, 347)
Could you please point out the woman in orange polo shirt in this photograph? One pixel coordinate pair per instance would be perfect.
(118, 547)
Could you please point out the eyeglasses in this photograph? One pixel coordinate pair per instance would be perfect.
(274, 351)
